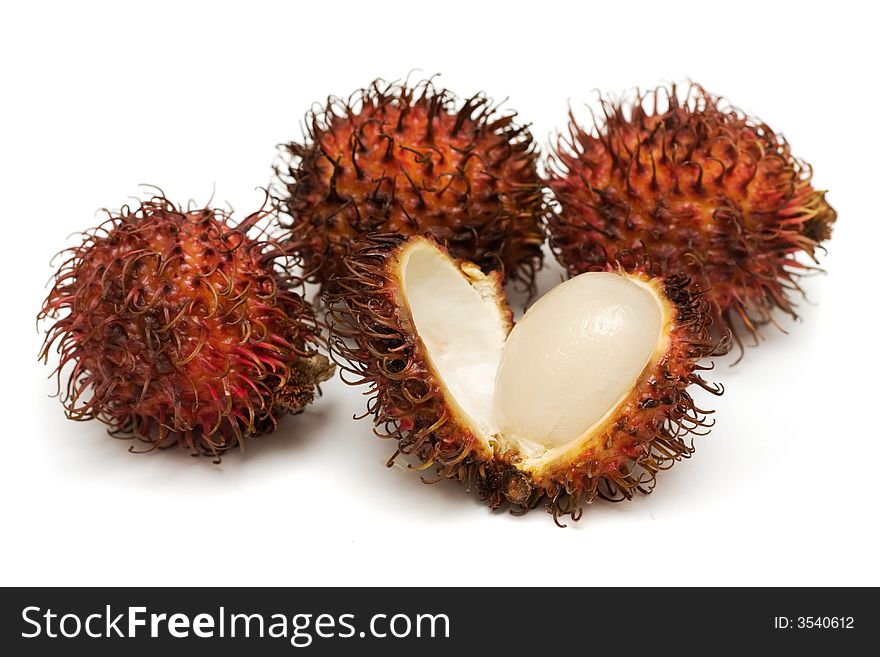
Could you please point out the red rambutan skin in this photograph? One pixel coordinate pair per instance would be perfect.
(697, 189)
(414, 160)
(178, 328)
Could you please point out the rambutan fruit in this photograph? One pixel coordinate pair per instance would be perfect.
(587, 396)
(178, 328)
(414, 160)
(691, 186)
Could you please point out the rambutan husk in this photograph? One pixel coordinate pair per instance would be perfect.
(413, 160)
(690, 186)
(174, 327)
(375, 342)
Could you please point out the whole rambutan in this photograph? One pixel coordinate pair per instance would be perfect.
(587, 396)
(175, 327)
(414, 160)
(690, 186)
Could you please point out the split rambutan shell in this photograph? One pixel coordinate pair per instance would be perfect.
(384, 336)
(414, 160)
(175, 327)
(689, 186)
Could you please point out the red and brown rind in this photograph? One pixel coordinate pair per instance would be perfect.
(374, 341)
(696, 187)
(413, 160)
(175, 327)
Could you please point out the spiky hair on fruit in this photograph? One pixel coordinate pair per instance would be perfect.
(174, 326)
(587, 396)
(697, 188)
(414, 160)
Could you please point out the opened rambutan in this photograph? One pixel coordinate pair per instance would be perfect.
(586, 396)
(175, 327)
(414, 160)
(690, 186)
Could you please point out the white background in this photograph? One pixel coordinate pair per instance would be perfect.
(97, 98)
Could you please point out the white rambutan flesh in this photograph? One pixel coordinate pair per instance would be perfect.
(568, 363)
(574, 356)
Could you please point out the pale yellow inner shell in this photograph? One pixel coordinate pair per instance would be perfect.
(559, 374)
